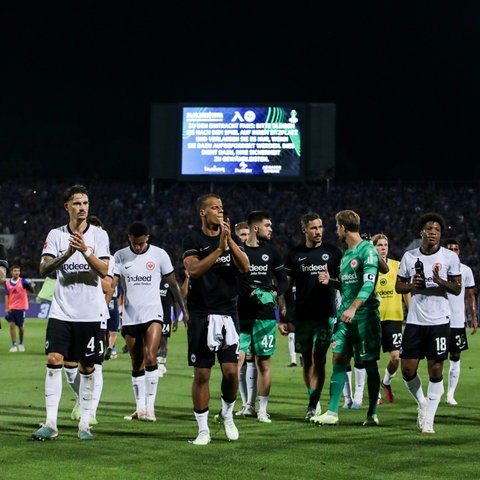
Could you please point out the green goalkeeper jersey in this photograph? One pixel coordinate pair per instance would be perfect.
(358, 271)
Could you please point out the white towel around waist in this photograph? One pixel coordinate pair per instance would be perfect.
(221, 332)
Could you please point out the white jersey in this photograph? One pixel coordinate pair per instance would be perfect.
(431, 307)
(111, 266)
(78, 294)
(140, 275)
(457, 302)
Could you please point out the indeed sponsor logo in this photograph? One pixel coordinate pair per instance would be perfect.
(259, 268)
(349, 276)
(223, 259)
(385, 293)
(313, 268)
(76, 267)
(139, 278)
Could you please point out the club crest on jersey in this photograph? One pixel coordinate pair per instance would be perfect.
(265, 257)
(150, 265)
(437, 265)
(325, 257)
(354, 263)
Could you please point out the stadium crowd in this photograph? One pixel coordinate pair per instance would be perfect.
(29, 209)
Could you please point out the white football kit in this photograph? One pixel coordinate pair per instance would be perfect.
(457, 302)
(140, 275)
(429, 307)
(78, 294)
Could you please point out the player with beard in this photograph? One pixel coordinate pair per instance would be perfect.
(357, 331)
(79, 253)
(314, 304)
(260, 292)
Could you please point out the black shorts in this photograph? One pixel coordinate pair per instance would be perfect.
(17, 317)
(458, 340)
(137, 331)
(167, 327)
(391, 335)
(199, 355)
(76, 341)
(431, 342)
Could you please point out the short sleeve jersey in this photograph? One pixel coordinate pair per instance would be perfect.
(266, 271)
(214, 292)
(78, 294)
(358, 271)
(140, 276)
(111, 266)
(457, 302)
(303, 265)
(430, 307)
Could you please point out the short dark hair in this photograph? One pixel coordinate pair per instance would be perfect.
(431, 217)
(202, 200)
(93, 220)
(307, 218)
(451, 241)
(71, 191)
(257, 216)
(15, 266)
(138, 229)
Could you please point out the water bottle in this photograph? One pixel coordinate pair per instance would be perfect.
(419, 270)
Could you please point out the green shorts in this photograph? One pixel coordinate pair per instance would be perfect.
(258, 337)
(360, 339)
(312, 333)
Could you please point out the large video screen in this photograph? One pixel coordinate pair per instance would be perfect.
(252, 141)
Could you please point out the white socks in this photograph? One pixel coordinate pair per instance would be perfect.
(360, 374)
(151, 384)
(291, 347)
(97, 390)
(138, 384)
(251, 376)
(453, 376)
(53, 393)
(85, 394)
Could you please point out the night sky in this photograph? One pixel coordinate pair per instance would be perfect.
(77, 88)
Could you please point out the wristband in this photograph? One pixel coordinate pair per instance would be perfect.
(87, 253)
